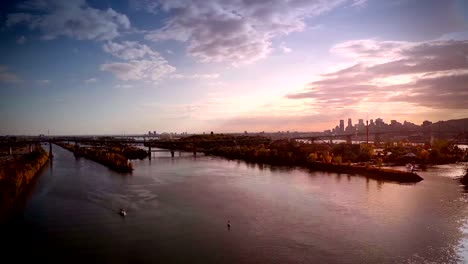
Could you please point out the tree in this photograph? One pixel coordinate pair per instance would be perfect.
(379, 162)
(423, 155)
(337, 160)
(312, 157)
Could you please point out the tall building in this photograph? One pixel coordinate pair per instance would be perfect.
(350, 127)
(341, 125)
(379, 122)
(361, 125)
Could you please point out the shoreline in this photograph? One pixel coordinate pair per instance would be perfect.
(16, 175)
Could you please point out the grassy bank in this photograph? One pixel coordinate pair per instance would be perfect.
(16, 174)
(109, 159)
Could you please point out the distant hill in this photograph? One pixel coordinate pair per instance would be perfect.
(454, 125)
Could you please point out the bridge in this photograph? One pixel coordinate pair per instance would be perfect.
(164, 145)
(187, 144)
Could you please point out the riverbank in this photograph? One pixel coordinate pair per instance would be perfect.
(464, 178)
(111, 160)
(17, 173)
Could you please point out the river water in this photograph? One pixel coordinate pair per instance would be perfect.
(178, 209)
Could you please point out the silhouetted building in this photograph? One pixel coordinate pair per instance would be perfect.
(341, 126)
(350, 128)
(361, 127)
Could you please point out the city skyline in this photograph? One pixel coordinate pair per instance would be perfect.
(378, 122)
(129, 67)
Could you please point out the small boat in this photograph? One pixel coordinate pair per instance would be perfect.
(411, 167)
(122, 212)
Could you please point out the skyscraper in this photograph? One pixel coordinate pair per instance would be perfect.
(361, 125)
(341, 125)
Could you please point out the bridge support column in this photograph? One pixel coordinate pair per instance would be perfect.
(194, 153)
(50, 150)
(172, 153)
(11, 151)
(149, 152)
(348, 140)
(377, 139)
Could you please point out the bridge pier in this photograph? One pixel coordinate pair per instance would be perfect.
(149, 152)
(172, 153)
(348, 140)
(50, 150)
(377, 139)
(11, 151)
(194, 153)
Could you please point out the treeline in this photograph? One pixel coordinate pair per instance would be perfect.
(285, 152)
(439, 152)
(16, 174)
(114, 161)
(128, 151)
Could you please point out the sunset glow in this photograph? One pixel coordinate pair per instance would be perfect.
(89, 67)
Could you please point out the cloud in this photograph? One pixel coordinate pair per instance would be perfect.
(123, 86)
(284, 48)
(7, 76)
(21, 40)
(428, 74)
(74, 19)
(139, 69)
(359, 3)
(142, 63)
(90, 80)
(43, 82)
(129, 50)
(370, 50)
(196, 76)
(234, 31)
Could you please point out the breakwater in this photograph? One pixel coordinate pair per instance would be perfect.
(114, 161)
(17, 174)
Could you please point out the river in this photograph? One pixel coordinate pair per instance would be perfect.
(178, 209)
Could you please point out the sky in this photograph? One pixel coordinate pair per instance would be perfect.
(129, 67)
